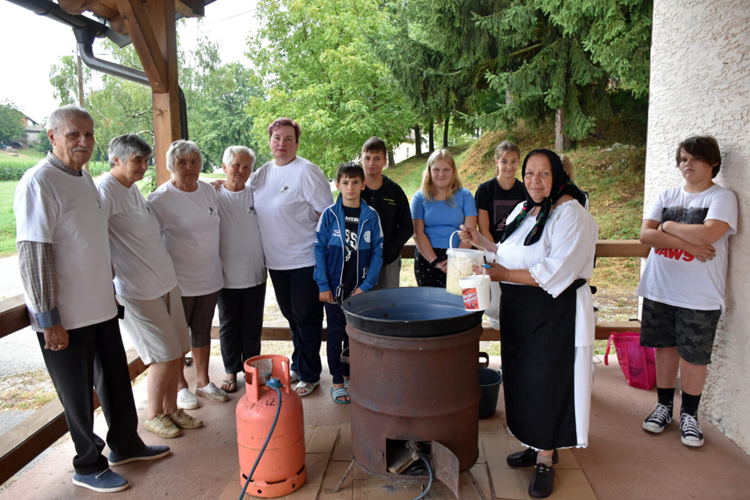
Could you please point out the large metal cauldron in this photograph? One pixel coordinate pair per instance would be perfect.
(413, 355)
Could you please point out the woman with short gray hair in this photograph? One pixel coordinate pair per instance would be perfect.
(146, 285)
(188, 213)
(241, 301)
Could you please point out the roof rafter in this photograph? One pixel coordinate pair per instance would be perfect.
(139, 28)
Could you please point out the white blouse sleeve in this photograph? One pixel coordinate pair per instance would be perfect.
(572, 245)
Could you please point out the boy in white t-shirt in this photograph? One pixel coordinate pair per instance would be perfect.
(684, 281)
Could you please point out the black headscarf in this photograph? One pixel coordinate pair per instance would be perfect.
(561, 185)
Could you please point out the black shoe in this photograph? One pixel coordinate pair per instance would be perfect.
(659, 418)
(692, 435)
(527, 458)
(543, 481)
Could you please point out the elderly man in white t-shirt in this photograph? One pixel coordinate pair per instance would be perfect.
(63, 252)
(146, 285)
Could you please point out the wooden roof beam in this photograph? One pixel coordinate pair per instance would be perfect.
(144, 40)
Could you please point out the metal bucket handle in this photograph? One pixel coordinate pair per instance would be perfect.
(486, 358)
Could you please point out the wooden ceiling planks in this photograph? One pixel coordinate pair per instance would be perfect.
(190, 8)
(102, 8)
(109, 9)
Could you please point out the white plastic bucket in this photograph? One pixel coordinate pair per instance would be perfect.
(476, 292)
(460, 262)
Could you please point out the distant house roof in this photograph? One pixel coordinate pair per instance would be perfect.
(30, 122)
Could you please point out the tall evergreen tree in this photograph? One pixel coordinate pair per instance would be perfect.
(505, 60)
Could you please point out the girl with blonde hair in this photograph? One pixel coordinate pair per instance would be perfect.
(438, 209)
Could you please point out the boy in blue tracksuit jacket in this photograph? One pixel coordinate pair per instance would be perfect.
(348, 258)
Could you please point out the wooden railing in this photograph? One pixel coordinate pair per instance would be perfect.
(22, 443)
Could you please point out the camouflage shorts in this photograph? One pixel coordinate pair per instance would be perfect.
(691, 331)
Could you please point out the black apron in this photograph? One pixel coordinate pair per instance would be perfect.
(538, 353)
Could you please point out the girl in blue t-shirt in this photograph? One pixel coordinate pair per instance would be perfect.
(438, 209)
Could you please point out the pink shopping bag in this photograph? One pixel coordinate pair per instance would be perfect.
(637, 362)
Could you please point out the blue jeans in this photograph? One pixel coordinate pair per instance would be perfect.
(298, 297)
(337, 340)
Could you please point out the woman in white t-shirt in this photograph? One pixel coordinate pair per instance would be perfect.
(242, 300)
(290, 194)
(188, 213)
(146, 285)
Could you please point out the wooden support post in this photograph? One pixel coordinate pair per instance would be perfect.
(166, 105)
(151, 25)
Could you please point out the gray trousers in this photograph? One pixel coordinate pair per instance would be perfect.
(389, 276)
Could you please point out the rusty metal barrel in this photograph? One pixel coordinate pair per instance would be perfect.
(413, 356)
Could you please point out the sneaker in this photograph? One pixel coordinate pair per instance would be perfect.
(543, 482)
(659, 418)
(105, 481)
(162, 426)
(187, 400)
(211, 392)
(184, 421)
(150, 453)
(692, 435)
(527, 458)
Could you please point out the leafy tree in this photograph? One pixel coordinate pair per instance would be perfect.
(118, 106)
(315, 62)
(43, 146)
(217, 96)
(11, 122)
(64, 80)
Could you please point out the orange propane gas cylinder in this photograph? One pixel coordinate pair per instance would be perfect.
(281, 469)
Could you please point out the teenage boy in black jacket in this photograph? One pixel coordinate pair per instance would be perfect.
(392, 205)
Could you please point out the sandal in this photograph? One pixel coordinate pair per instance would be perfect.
(229, 384)
(340, 393)
(307, 388)
(346, 383)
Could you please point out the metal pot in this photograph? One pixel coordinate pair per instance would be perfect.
(409, 312)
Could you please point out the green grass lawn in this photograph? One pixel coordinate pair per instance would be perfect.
(7, 218)
(32, 153)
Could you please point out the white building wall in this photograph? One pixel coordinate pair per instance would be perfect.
(700, 84)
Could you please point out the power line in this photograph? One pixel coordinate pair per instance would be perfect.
(240, 14)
